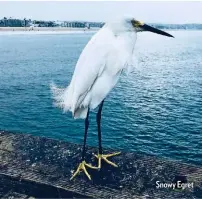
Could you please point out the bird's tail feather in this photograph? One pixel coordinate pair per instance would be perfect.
(60, 96)
(63, 99)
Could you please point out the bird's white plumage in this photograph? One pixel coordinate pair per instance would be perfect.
(99, 66)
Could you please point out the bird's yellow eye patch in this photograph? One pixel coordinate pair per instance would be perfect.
(140, 23)
(137, 23)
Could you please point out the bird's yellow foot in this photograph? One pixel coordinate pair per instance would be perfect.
(104, 157)
(82, 167)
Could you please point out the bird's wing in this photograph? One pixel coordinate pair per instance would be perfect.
(90, 65)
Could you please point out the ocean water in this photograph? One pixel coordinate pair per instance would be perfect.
(156, 110)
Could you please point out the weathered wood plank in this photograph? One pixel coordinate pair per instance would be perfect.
(29, 162)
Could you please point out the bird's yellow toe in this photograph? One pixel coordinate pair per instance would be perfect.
(82, 167)
(101, 157)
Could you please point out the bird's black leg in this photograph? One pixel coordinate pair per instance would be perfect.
(82, 166)
(99, 126)
(85, 136)
(100, 155)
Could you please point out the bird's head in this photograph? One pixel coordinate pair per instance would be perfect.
(130, 24)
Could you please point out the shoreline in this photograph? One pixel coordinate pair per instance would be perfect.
(44, 30)
(65, 29)
(36, 29)
(12, 31)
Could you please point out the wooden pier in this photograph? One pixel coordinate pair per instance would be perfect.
(38, 167)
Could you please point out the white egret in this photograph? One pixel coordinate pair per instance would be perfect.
(97, 71)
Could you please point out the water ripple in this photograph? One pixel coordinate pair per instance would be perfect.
(156, 110)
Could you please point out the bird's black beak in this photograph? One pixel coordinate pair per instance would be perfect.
(146, 27)
(140, 26)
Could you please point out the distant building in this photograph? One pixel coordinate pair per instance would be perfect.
(43, 23)
(14, 22)
(96, 24)
(59, 23)
(74, 24)
(79, 24)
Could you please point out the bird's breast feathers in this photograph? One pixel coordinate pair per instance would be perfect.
(98, 68)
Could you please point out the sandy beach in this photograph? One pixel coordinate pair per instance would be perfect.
(44, 30)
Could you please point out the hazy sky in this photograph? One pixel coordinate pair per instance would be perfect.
(165, 12)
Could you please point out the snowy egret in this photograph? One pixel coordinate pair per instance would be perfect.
(97, 71)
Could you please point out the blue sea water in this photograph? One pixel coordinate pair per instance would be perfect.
(156, 110)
